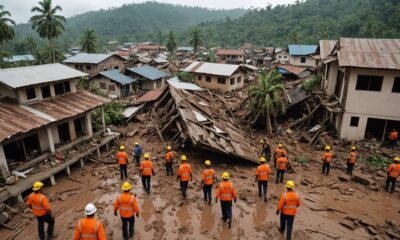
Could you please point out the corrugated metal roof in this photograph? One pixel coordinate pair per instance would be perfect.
(31, 75)
(19, 58)
(118, 77)
(91, 58)
(219, 69)
(326, 47)
(150, 95)
(369, 53)
(183, 85)
(184, 49)
(149, 72)
(292, 69)
(236, 52)
(302, 50)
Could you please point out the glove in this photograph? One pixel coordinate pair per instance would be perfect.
(116, 214)
(277, 212)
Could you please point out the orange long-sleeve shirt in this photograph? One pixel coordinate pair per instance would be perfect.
(288, 203)
(89, 229)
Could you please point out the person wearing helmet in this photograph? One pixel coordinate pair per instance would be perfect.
(279, 152)
(265, 149)
(128, 208)
(393, 137)
(39, 204)
(281, 165)
(226, 193)
(123, 157)
(287, 207)
(184, 175)
(393, 173)
(169, 161)
(146, 171)
(137, 152)
(326, 160)
(351, 160)
(262, 173)
(207, 180)
(89, 227)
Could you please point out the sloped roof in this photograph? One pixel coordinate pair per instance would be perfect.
(236, 52)
(369, 53)
(174, 82)
(185, 49)
(149, 72)
(326, 47)
(91, 58)
(219, 69)
(151, 95)
(118, 77)
(302, 50)
(32, 75)
(19, 58)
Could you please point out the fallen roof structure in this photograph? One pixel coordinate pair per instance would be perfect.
(199, 117)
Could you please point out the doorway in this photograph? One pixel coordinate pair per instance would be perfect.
(63, 133)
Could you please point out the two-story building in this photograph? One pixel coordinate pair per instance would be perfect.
(364, 76)
(93, 63)
(301, 55)
(218, 76)
(230, 55)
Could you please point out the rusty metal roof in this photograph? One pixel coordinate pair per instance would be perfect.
(236, 52)
(369, 53)
(151, 95)
(326, 47)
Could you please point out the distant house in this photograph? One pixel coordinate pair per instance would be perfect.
(230, 55)
(149, 48)
(300, 55)
(20, 58)
(184, 52)
(218, 76)
(148, 77)
(93, 63)
(113, 83)
(282, 55)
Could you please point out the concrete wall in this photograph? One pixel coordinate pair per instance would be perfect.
(150, 84)
(330, 77)
(93, 69)
(6, 92)
(296, 61)
(111, 94)
(282, 57)
(217, 86)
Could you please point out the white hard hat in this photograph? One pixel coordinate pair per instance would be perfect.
(90, 209)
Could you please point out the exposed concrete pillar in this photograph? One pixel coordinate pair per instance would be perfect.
(68, 171)
(52, 180)
(72, 132)
(98, 152)
(89, 124)
(51, 140)
(81, 163)
(4, 171)
(103, 121)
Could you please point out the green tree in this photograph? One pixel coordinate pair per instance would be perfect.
(171, 42)
(30, 44)
(160, 37)
(49, 54)
(196, 39)
(6, 30)
(47, 23)
(266, 99)
(89, 41)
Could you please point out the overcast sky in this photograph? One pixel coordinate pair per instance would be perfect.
(20, 9)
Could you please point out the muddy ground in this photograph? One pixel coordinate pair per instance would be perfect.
(165, 215)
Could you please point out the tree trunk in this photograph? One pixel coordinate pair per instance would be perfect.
(53, 57)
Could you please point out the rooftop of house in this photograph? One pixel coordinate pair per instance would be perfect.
(235, 52)
(302, 50)
(118, 77)
(326, 47)
(219, 69)
(19, 58)
(90, 58)
(185, 49)
(148, 72)
(31, 75)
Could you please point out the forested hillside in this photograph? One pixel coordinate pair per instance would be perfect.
(307, 22)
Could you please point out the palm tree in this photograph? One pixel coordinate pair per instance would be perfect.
(266, 99)
(160, 37)
(171, 42)
(196, 39)
(30, 44)
(294, 37)
(6, 30)
(89, 41)
(47, 23)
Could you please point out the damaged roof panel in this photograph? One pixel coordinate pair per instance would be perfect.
(219, 69)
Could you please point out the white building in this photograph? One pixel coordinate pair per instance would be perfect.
(301, 55)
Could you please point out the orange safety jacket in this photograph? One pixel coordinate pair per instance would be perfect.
(89, 229)
(394, 170)
(147, 168)
(225, 191)
(184, 172)
(39, 204)
(288, 203)
(208, 176)
(169, 157)
(262, 172)
(280, 152)
(393, 135)
(122, 158)
(281, 163)
(127, 205)
(352, 157)
(327, 157)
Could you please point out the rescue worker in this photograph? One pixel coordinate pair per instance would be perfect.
(393, 173)
(287, 207)
(265, 150)
(89, 228)
(279, 152)
(393, 137)
(226, 193)
(146, 171)
(262, 172)
(128, 208)
(281, 165)
(39, 204)
(326, 160)
(184, 175)
(351, 160)
(169, 160)
(137, 152)
(207, 180)
(122, 157)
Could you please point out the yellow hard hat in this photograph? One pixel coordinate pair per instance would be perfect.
(136, 143)
(280, 145)
(290, 184)
(262, 141)
(207, 163)
(262, 159)
(126, 186)
(122, 147)
(146, 156)
(37, 186)
(225, 175)
(183, 158)
(353, 148)
(327, 148)
(169, 148)
(397, 159)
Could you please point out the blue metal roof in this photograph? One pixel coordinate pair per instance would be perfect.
(118, 77)
(302, 50)
(149, 72)
(19, 58)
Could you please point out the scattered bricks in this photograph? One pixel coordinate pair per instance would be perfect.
(348, 224)
(362, 179)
